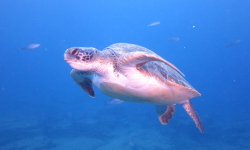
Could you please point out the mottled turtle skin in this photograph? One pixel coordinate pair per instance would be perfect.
(133, 73)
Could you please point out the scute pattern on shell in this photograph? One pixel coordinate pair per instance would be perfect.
(123, 48)
(161, 71)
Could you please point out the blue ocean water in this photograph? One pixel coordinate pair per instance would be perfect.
(41, 108)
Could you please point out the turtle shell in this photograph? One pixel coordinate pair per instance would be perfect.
(161, 71)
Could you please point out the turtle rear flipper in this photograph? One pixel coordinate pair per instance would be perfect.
(192, 113)
(164, 112)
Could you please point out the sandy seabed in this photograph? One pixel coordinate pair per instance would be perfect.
(112, 132)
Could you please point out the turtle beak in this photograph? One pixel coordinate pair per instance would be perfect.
(68, 55)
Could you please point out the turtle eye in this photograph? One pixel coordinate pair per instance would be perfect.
(74, 52)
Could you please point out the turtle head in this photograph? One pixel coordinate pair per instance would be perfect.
(81, 58)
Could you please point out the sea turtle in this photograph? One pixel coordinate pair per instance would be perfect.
(133, 73)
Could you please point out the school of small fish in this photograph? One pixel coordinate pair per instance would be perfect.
(174, 39)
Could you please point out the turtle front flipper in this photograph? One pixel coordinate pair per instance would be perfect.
(138, 59)
(192, 113)
(86, 86)
(164, 112)
(81, 78)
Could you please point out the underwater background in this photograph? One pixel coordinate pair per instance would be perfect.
(41, 108)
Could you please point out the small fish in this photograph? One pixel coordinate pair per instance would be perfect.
(154, 24)
(31, 46)
(113, 101)
(173, 40)
(131, 143)
(233, 43)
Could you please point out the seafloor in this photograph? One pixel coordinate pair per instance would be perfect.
(113, 128)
